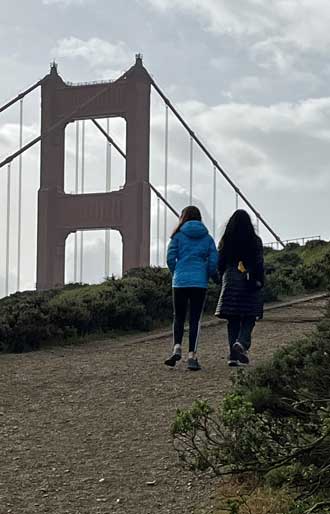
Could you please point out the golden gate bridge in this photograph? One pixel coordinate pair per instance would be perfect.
(127, 209)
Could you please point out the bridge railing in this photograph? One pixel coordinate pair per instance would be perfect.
(301, 241)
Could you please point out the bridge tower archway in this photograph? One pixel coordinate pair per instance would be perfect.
(126, 210)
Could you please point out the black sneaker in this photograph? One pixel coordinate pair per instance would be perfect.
(193, 365)
(242, 354)
(174, 358)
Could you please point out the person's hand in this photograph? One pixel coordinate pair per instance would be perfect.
(216, 278)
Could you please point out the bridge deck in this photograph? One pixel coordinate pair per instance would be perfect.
(85, 429)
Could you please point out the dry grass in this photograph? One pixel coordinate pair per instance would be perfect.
(251, 499)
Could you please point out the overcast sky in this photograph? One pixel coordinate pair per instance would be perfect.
(250, 76)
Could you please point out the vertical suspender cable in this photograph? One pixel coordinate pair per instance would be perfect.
(191, 170)
(108, 189)
(214, 199)
(76, 185)
(8, 230)
(158, 232)
(82, 190)
(19, 232)
(165, 181)
(236, 201)
(258, 225)
(209, 156)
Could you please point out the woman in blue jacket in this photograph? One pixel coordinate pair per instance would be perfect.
(192, 259)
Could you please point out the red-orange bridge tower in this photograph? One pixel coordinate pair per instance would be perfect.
(126, 210)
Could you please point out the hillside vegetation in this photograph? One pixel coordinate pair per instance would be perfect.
(272, 432)
(297, 269)
(139, 301)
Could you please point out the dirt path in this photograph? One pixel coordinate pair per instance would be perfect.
(85, 429)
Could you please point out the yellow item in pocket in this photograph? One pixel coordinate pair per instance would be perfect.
(241, 267)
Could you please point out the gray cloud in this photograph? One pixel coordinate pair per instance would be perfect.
(299, 22)
(66, 3)
(95, 51)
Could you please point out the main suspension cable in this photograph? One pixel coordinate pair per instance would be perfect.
(21, 95)
(214, 161)
(122, 153)
(63, 121)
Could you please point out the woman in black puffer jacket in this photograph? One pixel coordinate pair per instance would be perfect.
(241, 270)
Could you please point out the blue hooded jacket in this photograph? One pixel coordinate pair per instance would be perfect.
(192, 256)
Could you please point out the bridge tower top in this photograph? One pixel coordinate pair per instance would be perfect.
(53, 68)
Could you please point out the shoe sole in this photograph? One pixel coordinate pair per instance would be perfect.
(193, 365)
(194, 369)
(233, 364)
(171, 361)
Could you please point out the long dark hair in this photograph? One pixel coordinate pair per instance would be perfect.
(189, 213)
(239, 241)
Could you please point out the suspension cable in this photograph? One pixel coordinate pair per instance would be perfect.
(21, 95)
(8, 228)
(191, 170)
(63, 121)
(108, 189)
(109, 138)
(108, 161)
(82, 191)
(122, 153)
(19, 230)
(158, 231)
(165, 179)
(67, 119)
(164, 200)
(214, 199)
(76, 189)
(215, 163)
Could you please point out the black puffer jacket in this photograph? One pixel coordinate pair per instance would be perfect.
(236, 297)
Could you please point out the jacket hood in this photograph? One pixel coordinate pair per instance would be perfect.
(194, 229)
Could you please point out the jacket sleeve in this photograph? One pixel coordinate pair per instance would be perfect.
(221, 263)
(212, 258)
(172, 254)
(260, 271)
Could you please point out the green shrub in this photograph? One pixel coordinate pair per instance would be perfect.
(141, 300)
(315, 243)
(275, 423)
(25, 321)
(292, 246)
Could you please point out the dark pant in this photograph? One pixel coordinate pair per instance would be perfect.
(240, 329)
(196, 297)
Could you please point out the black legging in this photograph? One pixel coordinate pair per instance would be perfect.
(196, 297)
(240, 329)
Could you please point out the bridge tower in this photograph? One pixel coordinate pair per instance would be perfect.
(126, 210)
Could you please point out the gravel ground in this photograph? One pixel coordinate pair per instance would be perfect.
(86, 429)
